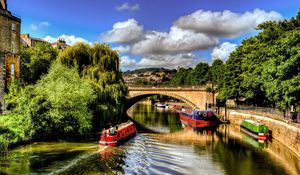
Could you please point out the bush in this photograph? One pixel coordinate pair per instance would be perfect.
(14, 129)
(56, 105)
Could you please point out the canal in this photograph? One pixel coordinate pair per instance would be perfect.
(163, 146)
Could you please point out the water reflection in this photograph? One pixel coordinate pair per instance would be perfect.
(174, 149)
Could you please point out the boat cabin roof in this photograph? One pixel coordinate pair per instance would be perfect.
(252, 122)
(197, 111)
(122, 125)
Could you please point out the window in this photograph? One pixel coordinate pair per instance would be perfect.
(13, 27)
(12, 71)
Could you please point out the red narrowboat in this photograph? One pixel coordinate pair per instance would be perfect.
(118, 134)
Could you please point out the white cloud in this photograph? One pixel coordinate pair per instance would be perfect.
(223, 51)
(169, 61)
(127, 6)
(166, 61)
(124, 32)
(43, 24)
(225, 23)
(70, 39)
(122, 49)
(176, 41)
(127, 63)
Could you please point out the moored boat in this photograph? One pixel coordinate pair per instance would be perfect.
(199, 118)
(254, 129)
(160, 105)
(118, 134)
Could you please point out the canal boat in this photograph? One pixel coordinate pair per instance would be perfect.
(160, 105)
(118, 134)
(206, 129)
(199, 118)
(254, 129)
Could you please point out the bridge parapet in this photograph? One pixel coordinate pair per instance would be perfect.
(169, 88)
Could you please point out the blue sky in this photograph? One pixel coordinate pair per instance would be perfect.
(153, 33)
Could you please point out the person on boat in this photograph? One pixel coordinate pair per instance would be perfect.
(112, 130)
(182, 109)
(104, 132)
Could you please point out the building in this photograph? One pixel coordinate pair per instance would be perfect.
(28, 41)
(60, 44)
(9, 48)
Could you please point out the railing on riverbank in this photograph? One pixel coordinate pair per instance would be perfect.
(265, 111)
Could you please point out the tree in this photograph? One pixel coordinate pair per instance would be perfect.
(36, 61)
(180, 77)
(99, 65)
(266, 68)
(57, 104)
(199, 75)
(217, 72)
(232, 80)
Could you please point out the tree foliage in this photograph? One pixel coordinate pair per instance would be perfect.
(99, 64)
(266, 67)
(36, 61)
(57, 104)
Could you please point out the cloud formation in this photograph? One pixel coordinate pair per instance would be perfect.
(127, 63)
(198, 31)
(169, 61)
(166, 61)
(127, 6)
(223, 51)
(225, 23)
(124, 32)
(43, 24)
(70, 39)
(174, 42)
(122, 49)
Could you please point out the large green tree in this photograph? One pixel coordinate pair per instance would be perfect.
(36, 61)
(99, 64)
(57, 104)
(217, 72)
(266, 68)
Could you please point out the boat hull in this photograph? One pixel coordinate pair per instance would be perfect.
(255, 130)
(119, 136)
(199, 120)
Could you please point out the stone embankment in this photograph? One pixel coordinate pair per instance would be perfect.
(287, 134)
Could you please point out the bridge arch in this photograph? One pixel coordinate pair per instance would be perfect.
(140, 96)
(195, 96)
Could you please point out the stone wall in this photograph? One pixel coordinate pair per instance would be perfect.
(10, 29)
(287, 134)
(9, 33)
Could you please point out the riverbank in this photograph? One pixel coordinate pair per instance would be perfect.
(285, 133)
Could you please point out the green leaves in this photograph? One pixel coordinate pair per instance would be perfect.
(35, 61)
(265, 69)
(99, 65)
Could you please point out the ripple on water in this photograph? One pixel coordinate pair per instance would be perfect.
(149, 156)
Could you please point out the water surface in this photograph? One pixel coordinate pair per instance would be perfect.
(170, 148)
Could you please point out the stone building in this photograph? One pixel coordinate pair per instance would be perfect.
(60, 44)
(28, 41)
(9, 48)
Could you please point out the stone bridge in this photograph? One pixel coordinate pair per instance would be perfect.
(196, 96)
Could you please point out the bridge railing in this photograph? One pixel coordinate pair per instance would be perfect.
(168, 87)
(266, 111)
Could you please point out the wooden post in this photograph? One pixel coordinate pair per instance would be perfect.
(225, 112)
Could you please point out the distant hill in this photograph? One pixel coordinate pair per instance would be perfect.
(148, 76)
(154, 70)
